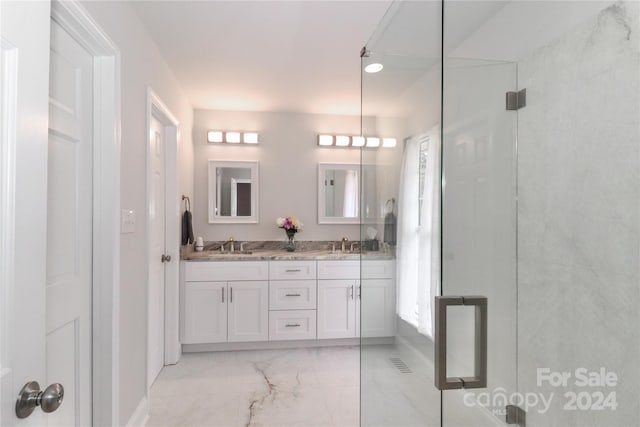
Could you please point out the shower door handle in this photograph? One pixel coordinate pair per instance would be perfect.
(479, 378)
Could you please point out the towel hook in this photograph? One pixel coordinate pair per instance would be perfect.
(187, 202)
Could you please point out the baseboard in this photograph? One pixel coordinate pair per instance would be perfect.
(275, 345)
(140, 416)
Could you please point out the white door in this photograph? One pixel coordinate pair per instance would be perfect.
(46, 200)
(69, 227)
(336, 308)
(156, 250)
(248, 311)
(24, 86)
(205, 312)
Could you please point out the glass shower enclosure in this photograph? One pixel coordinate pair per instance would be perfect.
(511, 206)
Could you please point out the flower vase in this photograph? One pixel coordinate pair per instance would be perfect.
(291, 245)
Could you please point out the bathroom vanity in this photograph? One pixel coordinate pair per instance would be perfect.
(276, 300)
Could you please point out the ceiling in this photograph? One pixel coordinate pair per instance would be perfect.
(295, 56)
(303, 56)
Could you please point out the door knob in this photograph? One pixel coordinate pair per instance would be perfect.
(165, 258)
(31, 396)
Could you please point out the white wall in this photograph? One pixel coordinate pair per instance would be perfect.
(142, 65)
(287, 156)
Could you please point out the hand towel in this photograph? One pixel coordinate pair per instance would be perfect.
(187, 228)
(390, 228)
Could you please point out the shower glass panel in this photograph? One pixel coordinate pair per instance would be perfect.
(516, 178)
(401, 101)
(479, 230)
(478, 217)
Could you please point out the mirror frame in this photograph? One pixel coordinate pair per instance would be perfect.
(322, 168)
(212, 183)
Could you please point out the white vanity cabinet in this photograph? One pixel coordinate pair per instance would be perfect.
(356, 299)
(337, 308)
(248, 311)
(377, 302)
(292, 300)
(204, 312)
(338, 288)
(225, 302)
(277, 300)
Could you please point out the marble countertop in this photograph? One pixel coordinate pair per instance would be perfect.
(282, 255)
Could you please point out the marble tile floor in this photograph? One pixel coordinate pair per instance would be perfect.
(294, 387)
(297, 387)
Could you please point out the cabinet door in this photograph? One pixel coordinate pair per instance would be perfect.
(337, 308)
(205, 312)
(248, 311)
(377, 308)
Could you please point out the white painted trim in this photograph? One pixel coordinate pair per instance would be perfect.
(8, 118)
(74, 19)
(157, 108)
(234, 193)
(140, 416)
(277, 345)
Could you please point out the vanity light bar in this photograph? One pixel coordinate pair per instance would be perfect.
(355, 141)
(232, 137)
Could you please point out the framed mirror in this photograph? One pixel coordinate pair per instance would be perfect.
(233, 192)
(338, 193)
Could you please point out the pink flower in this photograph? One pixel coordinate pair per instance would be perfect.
(289, 223)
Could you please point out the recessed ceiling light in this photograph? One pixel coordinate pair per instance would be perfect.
(373, 68)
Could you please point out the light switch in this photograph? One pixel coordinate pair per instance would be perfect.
(127, 221)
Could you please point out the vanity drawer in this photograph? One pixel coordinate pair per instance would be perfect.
(378, 269)
(292, 325)
(338, 270)
(206, 271)
(285, 270)
(292, 295)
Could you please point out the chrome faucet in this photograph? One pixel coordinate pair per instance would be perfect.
(232, 246)
(344, 242)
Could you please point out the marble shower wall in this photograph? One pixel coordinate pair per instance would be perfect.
(578, 215)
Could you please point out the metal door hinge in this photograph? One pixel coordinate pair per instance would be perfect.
(516, 100)
(364, 53)
(516, 415)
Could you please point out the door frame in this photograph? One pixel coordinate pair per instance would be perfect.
(157, 109)
(74, 19)
(234, 193)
